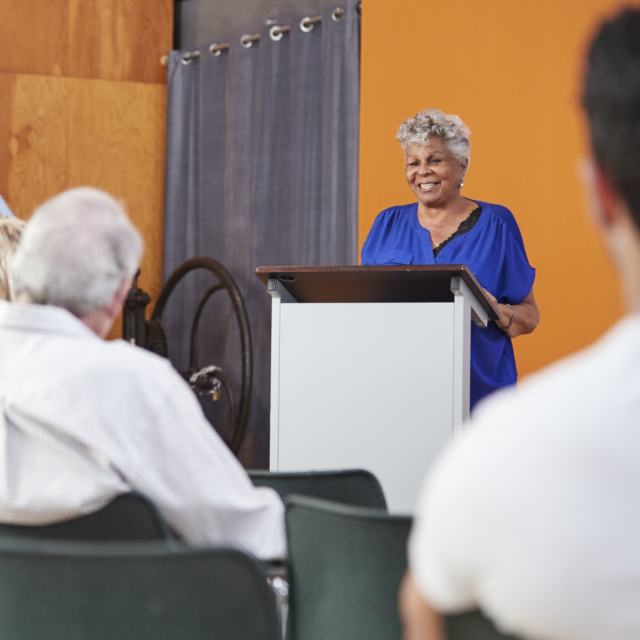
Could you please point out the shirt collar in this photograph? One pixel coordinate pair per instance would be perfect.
(40, 318)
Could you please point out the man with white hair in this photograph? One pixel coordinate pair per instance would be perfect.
(82, 419)
(532, 515)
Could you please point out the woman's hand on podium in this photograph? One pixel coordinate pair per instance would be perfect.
(518, 319)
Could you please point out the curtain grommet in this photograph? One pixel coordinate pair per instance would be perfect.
(246, 42)
(216, 49)
(338, 14)
(189, 57)
(306, 25)
(276, 33)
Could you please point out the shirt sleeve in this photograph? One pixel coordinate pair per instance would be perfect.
(517, 276)
(514, 279)
(375, 237)
(200, 487)
(442, 554)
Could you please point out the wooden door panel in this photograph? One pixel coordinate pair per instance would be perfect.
(108, 39)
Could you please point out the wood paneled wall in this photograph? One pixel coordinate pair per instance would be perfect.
(83, 102)
(98, 39)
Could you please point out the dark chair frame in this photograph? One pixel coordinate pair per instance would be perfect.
(61, 590)
(344, 591)
(344, 486)
(472, 625)
(129, 516)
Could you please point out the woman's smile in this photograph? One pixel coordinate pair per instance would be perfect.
(428, 186)
(433, 172)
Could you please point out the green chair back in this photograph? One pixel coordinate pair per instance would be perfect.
(346, 565)
(129, 516)
(353, 486)
(58, 590)
(473, 625)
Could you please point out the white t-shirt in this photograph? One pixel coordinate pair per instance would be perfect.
(533, 515)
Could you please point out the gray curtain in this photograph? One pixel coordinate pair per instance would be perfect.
(262, 169)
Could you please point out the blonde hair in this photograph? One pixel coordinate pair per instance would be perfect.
(10, 232)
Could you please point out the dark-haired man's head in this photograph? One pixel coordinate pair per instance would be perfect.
(612, 102)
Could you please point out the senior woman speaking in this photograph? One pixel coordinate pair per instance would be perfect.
(443, 227)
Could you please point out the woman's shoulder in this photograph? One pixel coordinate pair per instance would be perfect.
(503, 217)
(398, 212)
(392, 229)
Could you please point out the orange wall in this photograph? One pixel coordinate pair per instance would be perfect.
(511, 71)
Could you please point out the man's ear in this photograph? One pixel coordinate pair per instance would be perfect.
(611, 202)
(115, 307)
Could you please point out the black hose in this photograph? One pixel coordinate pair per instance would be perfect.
(196, 324)
(227, 282)
(227, 388)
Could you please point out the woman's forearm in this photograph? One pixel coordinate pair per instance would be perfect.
(525, 317)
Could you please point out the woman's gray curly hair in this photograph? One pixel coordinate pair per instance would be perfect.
(448, 128)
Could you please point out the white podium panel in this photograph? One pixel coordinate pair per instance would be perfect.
(390, 410)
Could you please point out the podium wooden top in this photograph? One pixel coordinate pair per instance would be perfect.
(386, 283)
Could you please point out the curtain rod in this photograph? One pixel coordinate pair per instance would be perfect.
(276, 32)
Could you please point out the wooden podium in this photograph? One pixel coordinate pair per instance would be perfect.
(370, 368)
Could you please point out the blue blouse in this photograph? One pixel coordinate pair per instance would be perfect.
(494, 251)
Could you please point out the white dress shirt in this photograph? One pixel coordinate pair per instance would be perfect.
(83, 419)
(533, 515)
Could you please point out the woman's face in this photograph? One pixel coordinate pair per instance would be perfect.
(433, 173)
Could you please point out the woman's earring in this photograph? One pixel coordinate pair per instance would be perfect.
(461, 184)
